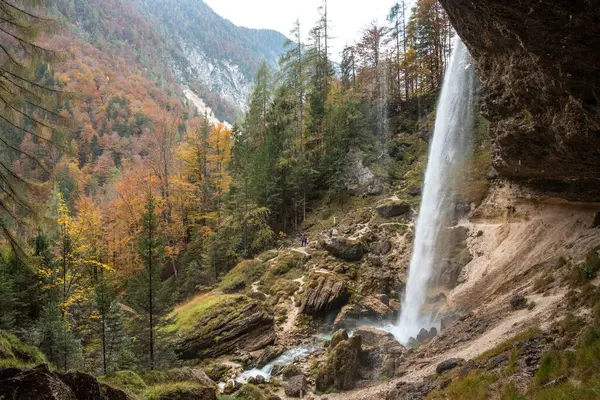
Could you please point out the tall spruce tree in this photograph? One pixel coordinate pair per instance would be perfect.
(145, 291)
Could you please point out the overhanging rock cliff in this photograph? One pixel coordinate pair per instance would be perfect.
(539, 62)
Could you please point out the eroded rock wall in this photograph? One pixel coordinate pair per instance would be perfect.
(539, 63)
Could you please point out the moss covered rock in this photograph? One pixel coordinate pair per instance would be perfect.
(324, 293)
(212, 325)
(341, 367)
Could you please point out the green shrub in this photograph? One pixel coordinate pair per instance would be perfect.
(510, 392)
(508, 344)
(127, 381)
(15, 353)
(588, 354)
(473, 387)
(569, 391)
(174, 390)
(553, 365)
(249, 392)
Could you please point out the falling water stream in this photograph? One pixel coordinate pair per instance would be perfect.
(449, 147)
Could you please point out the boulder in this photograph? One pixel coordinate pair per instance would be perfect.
(370, 308)
(423, 335)
(447, 365)
(269, 354)
(324, 293)
(341, 367)
(37, 383)
(337, 337)
(373, 337)
(41, 383)
(232, 323)
(83, 386)
(111, 393)
(345, 249)
(518, 302)
(289, 371)
(393, 208)
(295, 386)
(381, 354)
(433, 332)
(381, 248)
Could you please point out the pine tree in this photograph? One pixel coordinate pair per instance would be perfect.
(145, 291)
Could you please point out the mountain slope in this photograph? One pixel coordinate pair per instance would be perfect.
(179, 44)
(211, 52)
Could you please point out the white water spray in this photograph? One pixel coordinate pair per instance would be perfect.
(450, 143)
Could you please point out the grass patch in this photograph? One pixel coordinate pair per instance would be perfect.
(175, 390)
(249, 392)
(15, 353)
(128, 381)
(588, 270)
(509, 344)
(473, 387)
(510, 392)
(569, 391)
(553, 365)
(242, 276)
(187, 316)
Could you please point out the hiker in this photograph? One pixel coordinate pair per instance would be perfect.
(302, 240)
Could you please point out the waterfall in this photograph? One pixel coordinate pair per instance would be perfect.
(450, 144)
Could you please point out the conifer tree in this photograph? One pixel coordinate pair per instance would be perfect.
(145, 291)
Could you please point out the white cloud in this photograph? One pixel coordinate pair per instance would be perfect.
(347, 17)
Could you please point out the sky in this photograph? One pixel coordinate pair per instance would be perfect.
(347, 17)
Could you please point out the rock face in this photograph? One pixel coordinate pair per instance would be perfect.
(295, 386)
(341, 367)
(381, 355)
(41, 384)
(324, 293)
(85, 387)
(393, 208)
(370, 308)
(540, 69)
(346, 249)
(447, 365)
(237, 323)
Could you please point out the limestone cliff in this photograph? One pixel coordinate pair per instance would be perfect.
(539, 65)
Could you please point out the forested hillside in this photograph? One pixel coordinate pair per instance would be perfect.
(134, 196)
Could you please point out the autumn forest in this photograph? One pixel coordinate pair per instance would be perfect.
(120, 200)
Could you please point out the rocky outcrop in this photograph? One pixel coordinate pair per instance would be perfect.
(42, 384)
(295, 386)
(448, 365)
(393, 208)
(381, 354)
(346, 249)
(270, 353)
(370, 308)
(341, 367)
(324, 293)
(539, 67)
(235, 323)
